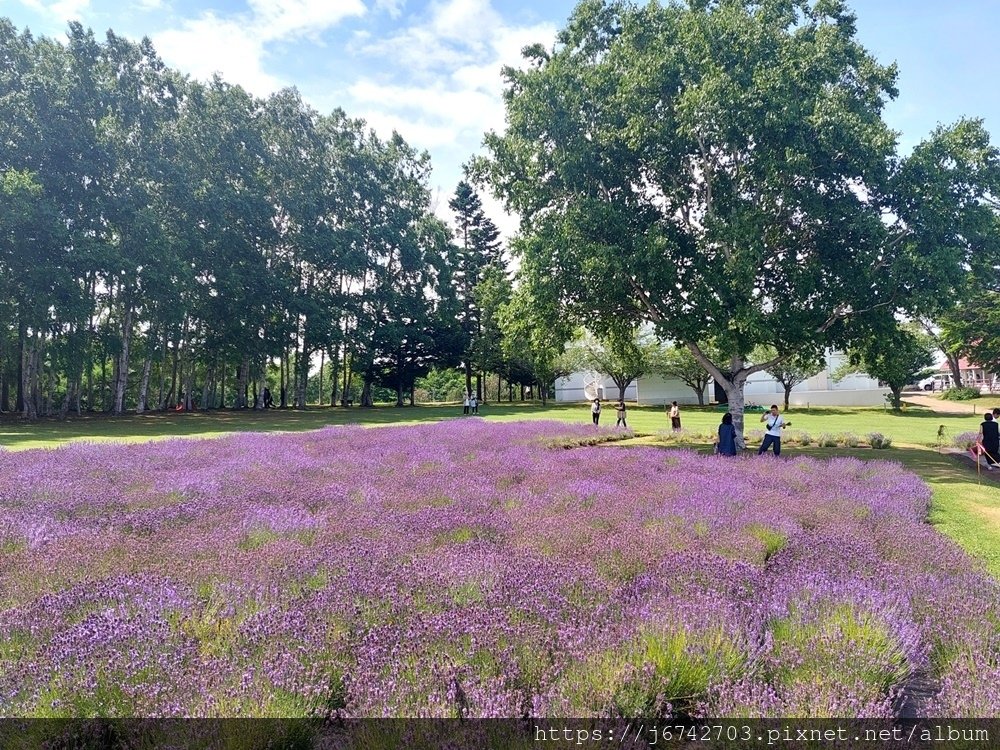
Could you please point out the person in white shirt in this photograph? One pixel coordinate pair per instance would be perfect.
(465, 405)
(474, 403)
(595, 411)
(675, 417)
(775, 424)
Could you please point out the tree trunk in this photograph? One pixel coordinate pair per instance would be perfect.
(788, 395)
(29, 375)
(121, 381)
(22, 333)
(622, 387)
(956, 371)
(147, 368)
(468, 379)
(170, 398)
(366, 394)
(299, 381)
(68, 400)
(90, 345)
(732, 383)
(322, 364)
(104, 378)
(334, 370)
(897, 398)
(281, 377)
(241, 383)
(4, 387)
(259, 387)
(700, 393)
(160, 405)
(479, 386)
(399, 379)
(189, 364)
(347, 386)
(206, 389)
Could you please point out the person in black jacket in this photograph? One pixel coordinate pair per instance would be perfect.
(989, 438)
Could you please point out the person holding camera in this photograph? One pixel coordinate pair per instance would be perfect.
(775, 424)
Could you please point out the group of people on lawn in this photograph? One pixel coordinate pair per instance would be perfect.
(987, 444)
(725, 442)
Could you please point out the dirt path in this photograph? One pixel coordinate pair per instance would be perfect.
(939, 406)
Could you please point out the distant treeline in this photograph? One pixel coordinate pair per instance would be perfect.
(168, 241)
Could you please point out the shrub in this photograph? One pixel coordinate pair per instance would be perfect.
(965, 440)
(802, 438)
(878, 441)
(686, 436)
(960, 394)
(826, 440)
(850, 440)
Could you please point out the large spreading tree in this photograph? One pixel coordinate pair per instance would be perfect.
(723, 170)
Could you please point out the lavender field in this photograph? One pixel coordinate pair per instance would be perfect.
(471, 569)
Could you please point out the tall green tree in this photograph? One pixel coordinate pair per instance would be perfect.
(792, 370)
(623, 354)
(678, 363)
(478, 250)
(977, 325)
(896, 356)
(724, 171)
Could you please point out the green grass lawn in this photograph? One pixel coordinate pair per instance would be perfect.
(914, 426)
(964, 507)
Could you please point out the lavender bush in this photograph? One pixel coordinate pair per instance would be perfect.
(965, 440)
(468, 569)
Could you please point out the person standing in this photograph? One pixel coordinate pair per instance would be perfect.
(725, 442)
(595, 411)
(675, 417)
(620, 414)
(989, 438)
(474, 404)
(775, 424)
(465, 405)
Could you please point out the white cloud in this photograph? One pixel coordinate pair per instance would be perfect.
(236, 46)
(208, 45)
(443, 87)
(60, 10)
(392, 7)
(285, 19)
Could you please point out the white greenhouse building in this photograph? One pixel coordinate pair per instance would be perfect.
(761, 388)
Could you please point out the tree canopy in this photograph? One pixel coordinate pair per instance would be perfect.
(723, 170)
(163, 240)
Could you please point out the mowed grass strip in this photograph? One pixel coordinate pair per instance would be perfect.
(916, 426)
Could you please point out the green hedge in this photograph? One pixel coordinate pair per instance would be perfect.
(960, 394)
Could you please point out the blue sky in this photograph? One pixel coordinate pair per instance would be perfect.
(431, 68)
